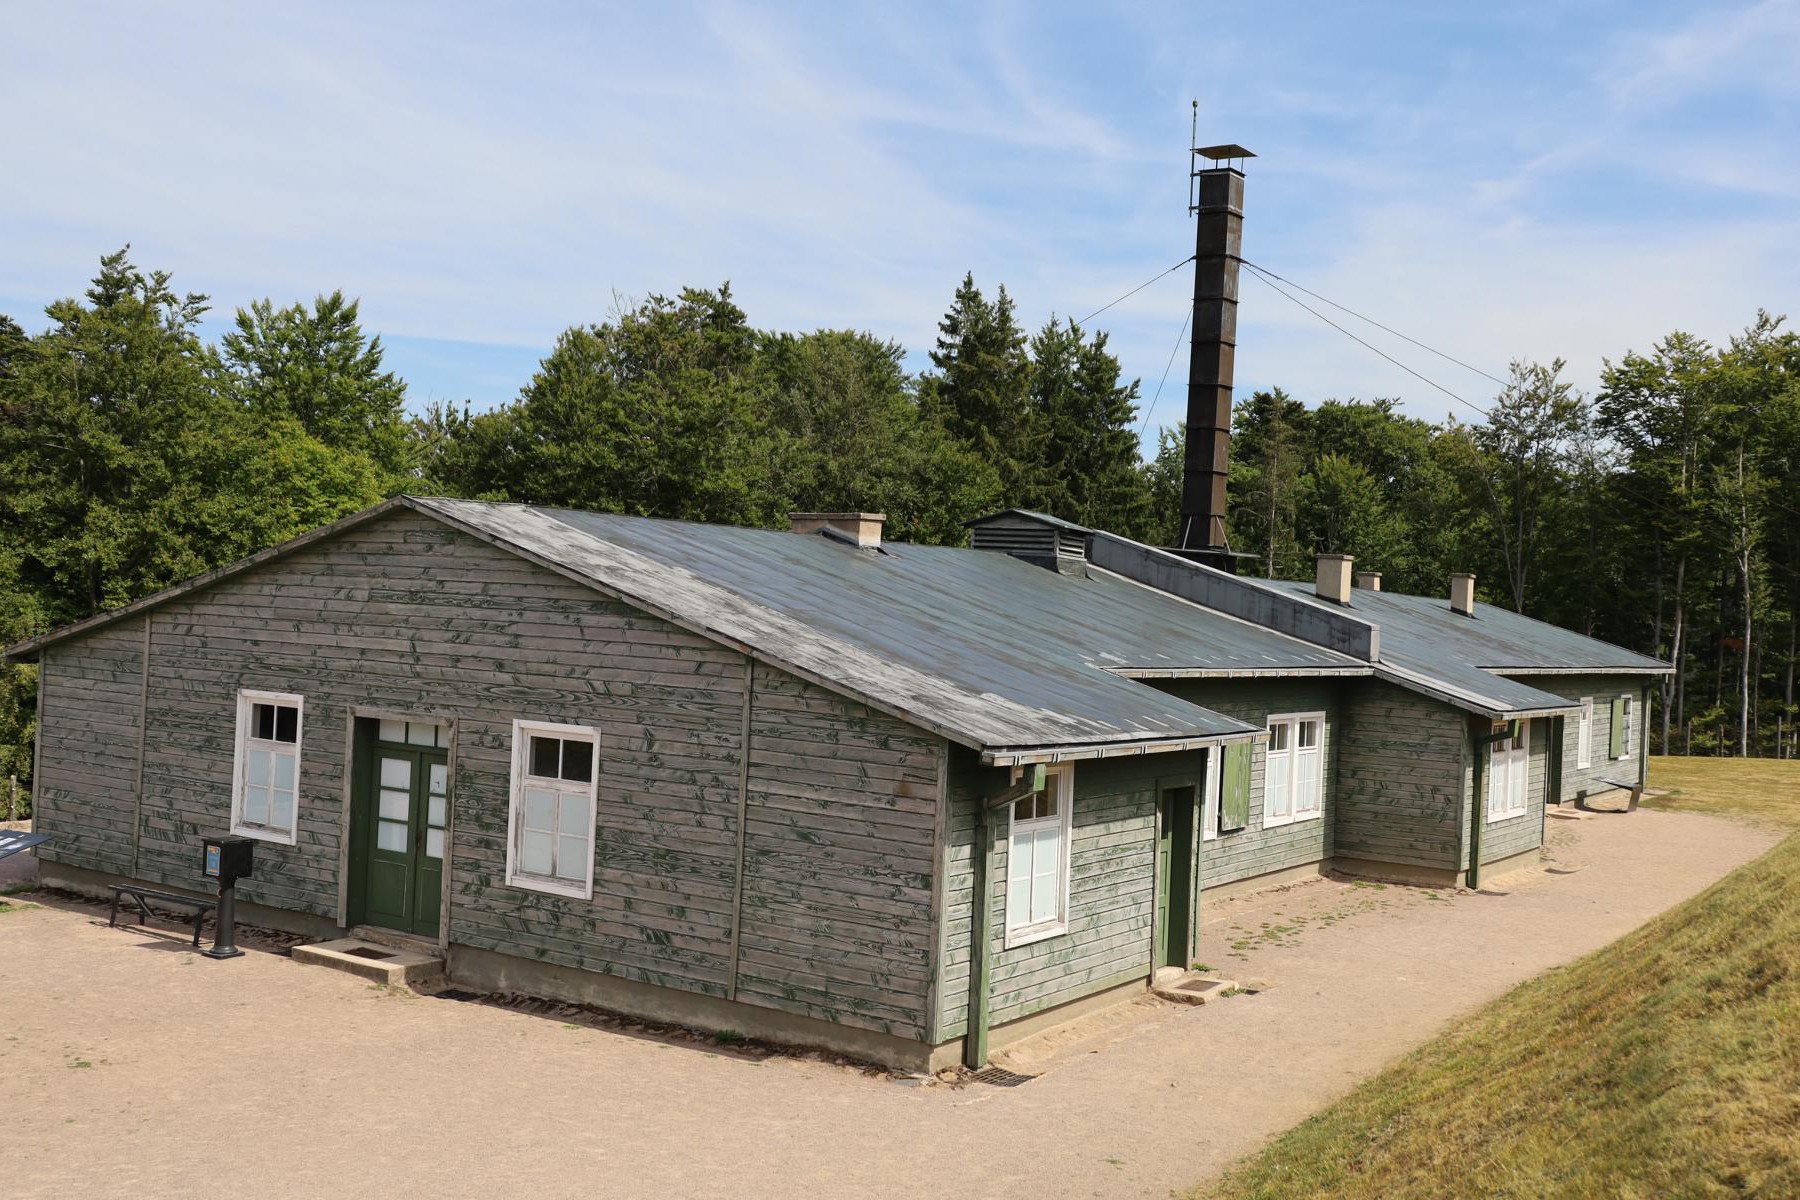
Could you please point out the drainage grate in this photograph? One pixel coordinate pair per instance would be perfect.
(456, 994)
(369, 952)
(1001, 1077)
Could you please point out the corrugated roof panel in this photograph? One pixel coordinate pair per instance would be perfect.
(979, 646)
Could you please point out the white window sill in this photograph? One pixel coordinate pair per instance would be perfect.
(1502, 818)
(551, 887)
(1298, 819)
(265, 835)
(1034, 933)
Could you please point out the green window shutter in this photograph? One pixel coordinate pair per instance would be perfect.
(1618, 727)
(1234, 781)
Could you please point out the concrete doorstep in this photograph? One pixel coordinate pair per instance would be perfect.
(373, 961)
(1189, 987)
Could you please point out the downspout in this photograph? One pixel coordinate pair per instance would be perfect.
(1482, 742)
(981, 920)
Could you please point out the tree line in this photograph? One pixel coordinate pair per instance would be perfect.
(1662, 513)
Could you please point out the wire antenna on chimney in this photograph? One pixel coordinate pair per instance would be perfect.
(1193, 147)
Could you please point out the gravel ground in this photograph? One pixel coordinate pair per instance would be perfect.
(131, 1066)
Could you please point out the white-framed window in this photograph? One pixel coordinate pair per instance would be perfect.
(1584, 735)
(1509, 773)
(1037, 860)
(265, 769)
(1625, 739)
(1293, 769)
(1209, 796)
(554, 774)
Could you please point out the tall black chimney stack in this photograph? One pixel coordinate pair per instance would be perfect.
(1218, 206)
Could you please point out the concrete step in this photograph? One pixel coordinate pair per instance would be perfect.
(375, 962)
(1188, 987)
(397, 940)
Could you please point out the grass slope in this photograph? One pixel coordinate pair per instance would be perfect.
(1666, 1064)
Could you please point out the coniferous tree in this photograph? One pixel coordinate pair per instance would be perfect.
(1089, 468)
(981, 389)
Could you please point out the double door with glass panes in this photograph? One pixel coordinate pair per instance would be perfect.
(404, 813)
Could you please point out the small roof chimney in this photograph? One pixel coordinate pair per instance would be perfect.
(1462, 593)
(1369, 581)
(859, 529)
(1334, 577)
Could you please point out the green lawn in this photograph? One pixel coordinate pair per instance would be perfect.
(1760, 789)
(1666, 1064)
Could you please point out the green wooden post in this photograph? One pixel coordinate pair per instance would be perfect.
(981, 933)
(975, 1049)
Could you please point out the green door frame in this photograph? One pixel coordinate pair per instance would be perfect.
(423, 874)
(1177, 870)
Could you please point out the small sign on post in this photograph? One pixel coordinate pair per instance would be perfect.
(227, 859)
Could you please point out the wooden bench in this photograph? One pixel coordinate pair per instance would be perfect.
(143, 895)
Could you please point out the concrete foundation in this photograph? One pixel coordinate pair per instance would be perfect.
(95, 884)
(1257, 883)
(488, 971)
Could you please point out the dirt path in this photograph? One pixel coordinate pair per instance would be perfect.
(276, 1079)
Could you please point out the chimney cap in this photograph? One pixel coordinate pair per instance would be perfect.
(1222, 153)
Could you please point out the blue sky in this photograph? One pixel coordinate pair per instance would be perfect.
(1501, 181)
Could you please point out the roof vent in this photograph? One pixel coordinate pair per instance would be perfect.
(1334, 578)
(1462, 593)
(857, 528)
(1035, 538)
(1369, 581)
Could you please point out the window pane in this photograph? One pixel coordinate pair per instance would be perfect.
(396, 772)
(578, 761)
(287, 723)
(544, 757)
(571, 858)
(1023, 809)
(435, 816)
(1278, 737)
(392, 731)
(391, 836)
(574, 814)
(540, 809)
(1046, 863)
(256, 767)
(256, 805)
(440, 779)
(284, 770)
(534, 853)
(1277, 798)
(1018, 881)
(420, 734)
(434, 843)
(281, 810)
(1046, 805)
(1309, 734)
(262, 722)
(395, 806)
(443, 737)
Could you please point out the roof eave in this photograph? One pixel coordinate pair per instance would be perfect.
(1012, 756)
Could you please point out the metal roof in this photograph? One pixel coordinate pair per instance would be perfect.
(987, 650)
(1040, 518)
(1425, 644)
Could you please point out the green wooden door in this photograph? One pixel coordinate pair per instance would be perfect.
(404, 810)
(1174, 862)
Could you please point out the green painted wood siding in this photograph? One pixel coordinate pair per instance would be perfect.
(1577, 782)
(1112, 895)
(840, 827)
(90, 697)
(1254, 850)
(406, 614)
(1514, 835)
(1400, 769)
